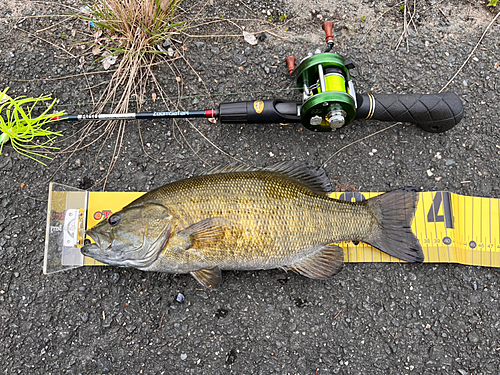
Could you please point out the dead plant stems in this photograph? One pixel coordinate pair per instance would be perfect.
(46, 41)
(471, 53)
(359, 140)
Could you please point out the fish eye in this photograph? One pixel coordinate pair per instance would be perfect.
(114, 220)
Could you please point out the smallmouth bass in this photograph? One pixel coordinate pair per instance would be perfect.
(245, 218)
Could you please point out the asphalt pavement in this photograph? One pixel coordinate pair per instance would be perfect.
(370, 318)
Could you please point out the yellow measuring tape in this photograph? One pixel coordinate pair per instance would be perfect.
(451, 228)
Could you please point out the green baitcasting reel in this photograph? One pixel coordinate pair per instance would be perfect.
(329, 99)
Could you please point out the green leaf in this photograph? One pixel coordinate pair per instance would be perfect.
(493, 3)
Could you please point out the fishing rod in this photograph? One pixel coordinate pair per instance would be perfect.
(329, 101)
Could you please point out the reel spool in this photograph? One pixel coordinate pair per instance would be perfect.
(328, 96)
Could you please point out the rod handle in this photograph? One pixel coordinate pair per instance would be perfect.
(434, 113)
(260, 112)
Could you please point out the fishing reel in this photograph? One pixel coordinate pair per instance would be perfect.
(328, 95)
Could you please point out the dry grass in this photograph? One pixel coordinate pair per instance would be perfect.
(132, 31)
(134, 36)
(130, 35)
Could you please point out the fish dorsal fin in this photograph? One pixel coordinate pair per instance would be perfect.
(205, 232)
(324, 264)
(210, 277)
(314, 178)
(232, 167)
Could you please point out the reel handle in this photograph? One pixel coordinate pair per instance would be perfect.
(328, 29)
(290, 62)
(434, 113)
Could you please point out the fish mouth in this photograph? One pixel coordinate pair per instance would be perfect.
(114, 252)
(96, 248)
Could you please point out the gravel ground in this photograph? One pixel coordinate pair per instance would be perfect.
(369, 319)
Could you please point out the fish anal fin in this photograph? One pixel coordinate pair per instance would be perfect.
(325, 263)
(209, 277)
(205, 232)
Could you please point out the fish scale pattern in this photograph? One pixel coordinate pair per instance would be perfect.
(269, 220)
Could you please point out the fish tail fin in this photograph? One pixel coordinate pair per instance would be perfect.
(395, 211)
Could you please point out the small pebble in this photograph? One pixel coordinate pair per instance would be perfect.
(184, 356)
(180, 298)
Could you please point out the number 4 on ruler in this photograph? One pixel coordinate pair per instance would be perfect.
(433, 216)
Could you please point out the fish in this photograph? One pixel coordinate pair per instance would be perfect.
(238, 217)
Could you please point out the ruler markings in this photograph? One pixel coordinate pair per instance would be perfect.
(461, 211)
(452, 224)
(491, 215)
(481, 230)
(461, 249)
(430, 233)
(481, 239)
(472, 232)
(484, 231)
(442, 205)
(466, 250)
(425, 226)
(369, 196)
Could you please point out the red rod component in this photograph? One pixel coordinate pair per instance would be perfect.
(210, 113)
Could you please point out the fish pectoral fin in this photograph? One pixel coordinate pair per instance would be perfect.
(205, 232)
(324, 264)
(210, 277)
